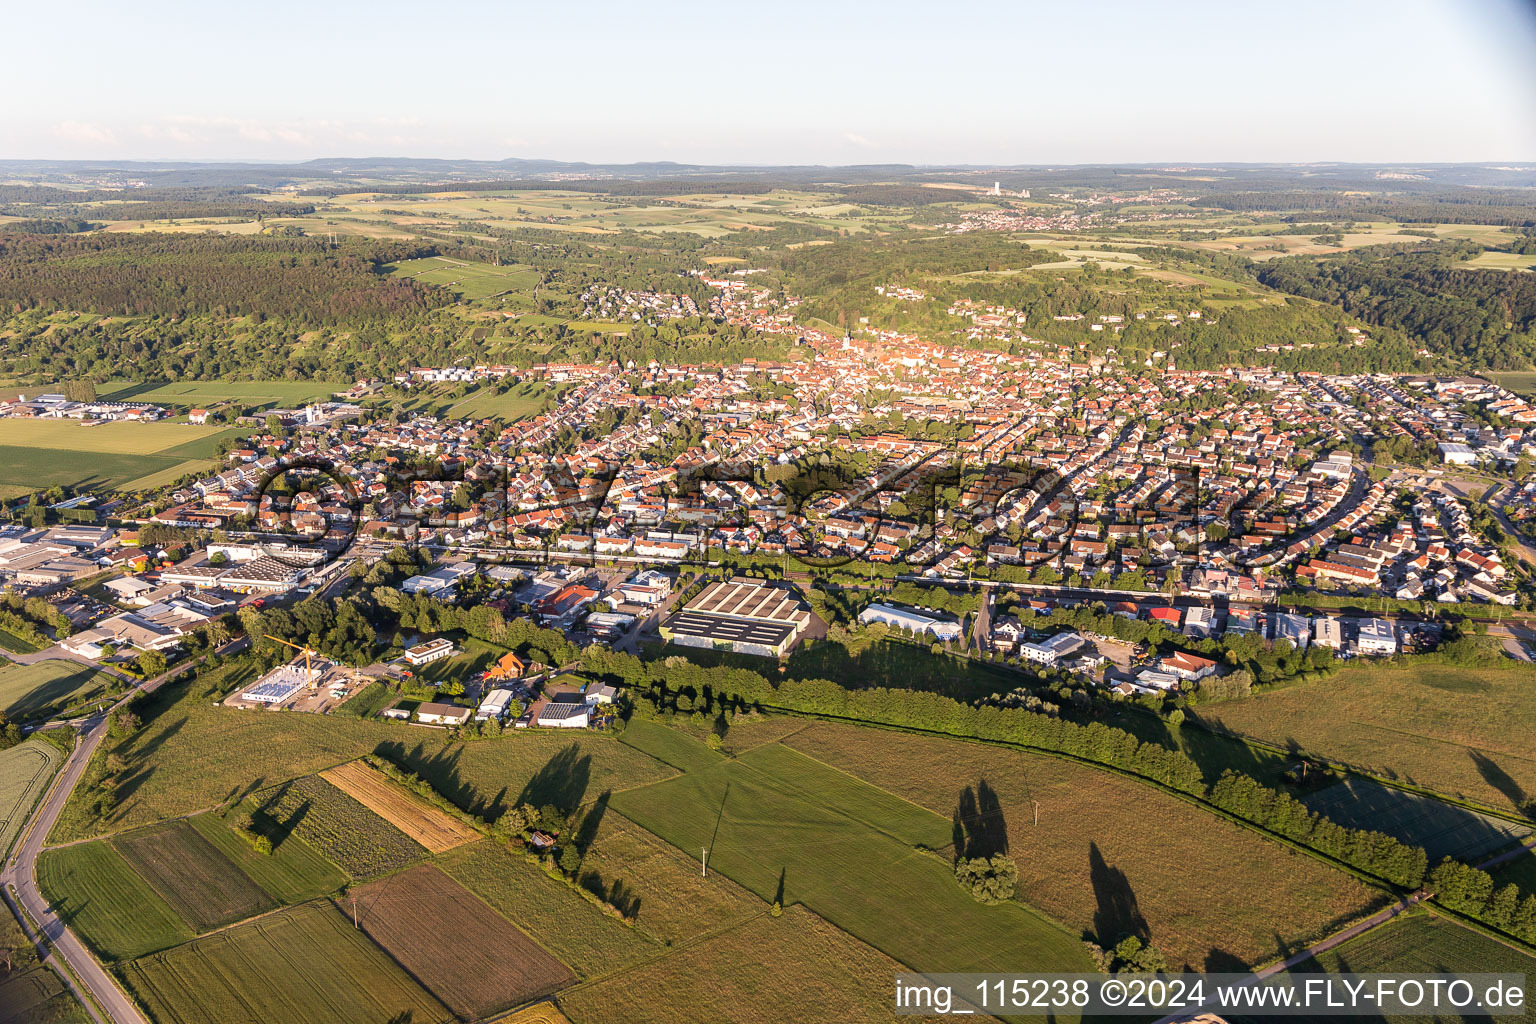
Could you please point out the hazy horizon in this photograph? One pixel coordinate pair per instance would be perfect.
(1419, 81)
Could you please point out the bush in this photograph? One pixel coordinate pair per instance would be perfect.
(989, 879)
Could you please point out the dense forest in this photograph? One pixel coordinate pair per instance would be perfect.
(174, 275)
(1507, 207)
(1485, 317)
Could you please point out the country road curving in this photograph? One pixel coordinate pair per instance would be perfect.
(18, 879)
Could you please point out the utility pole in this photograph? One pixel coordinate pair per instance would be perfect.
(1037, 813)
(704, 862)
(354, 910)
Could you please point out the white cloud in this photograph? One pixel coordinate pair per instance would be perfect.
(81, 131)
(859, 140)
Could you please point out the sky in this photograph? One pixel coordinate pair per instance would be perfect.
(791, 82)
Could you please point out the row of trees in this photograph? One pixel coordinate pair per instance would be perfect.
(1471, 891)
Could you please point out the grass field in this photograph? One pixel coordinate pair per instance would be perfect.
(293, 873)
(42, 453)
(1111, 856)
(784, 827)
(1444, 830)
(190, 755)
(493, 965)
(357, 840)
(34, 692)
(763, 971)
(427, 825)
(37, 996)
(194, 393)
(538, 1013)
(557, 918)
(25, 771)
(191, 875)
(469, 279)
(94, 890)
(1463, 732)
(908, 665)
(659, 885)
(305, 965)
(1424, 944)
(521, 402)
(532, 767)
(368, 702)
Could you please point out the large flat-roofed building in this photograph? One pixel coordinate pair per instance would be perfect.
(742, 615)
(910, 619)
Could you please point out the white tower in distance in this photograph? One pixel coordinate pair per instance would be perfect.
(997, 188)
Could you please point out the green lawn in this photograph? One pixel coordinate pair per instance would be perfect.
(92, 888)
(38, 691)
(785, 827)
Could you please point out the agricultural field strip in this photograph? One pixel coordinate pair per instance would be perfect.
(303, 965)
(496, 965)
(357, 840)
(21, 786)
(191, 875)
(118, 914)
(427, 825)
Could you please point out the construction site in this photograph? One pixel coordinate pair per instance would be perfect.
(307, 683)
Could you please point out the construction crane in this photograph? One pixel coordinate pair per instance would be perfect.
(309, 673)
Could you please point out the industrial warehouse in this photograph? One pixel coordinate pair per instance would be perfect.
(743, 615)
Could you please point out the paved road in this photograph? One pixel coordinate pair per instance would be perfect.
(20, 882)
(19, 877)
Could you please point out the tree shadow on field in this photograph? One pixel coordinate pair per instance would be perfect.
(1499, 779)
(586, 832)
(980, 828)
(1118, 913)
(562, 781)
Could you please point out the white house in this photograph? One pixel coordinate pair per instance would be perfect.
(565, 715)
(1053, 650)
(1377, 637)
(495, 704)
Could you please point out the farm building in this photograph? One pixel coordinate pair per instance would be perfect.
(442, 714)
(563, 715)
(908, 618)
